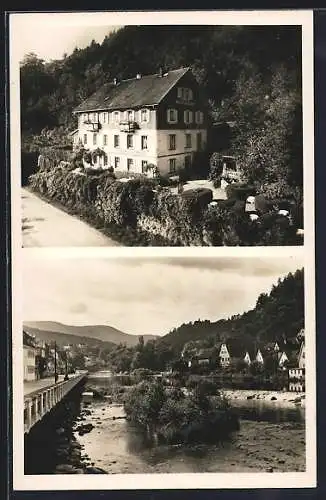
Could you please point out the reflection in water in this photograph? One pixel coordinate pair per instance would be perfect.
(262, 412)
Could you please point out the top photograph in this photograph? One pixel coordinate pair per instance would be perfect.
(161, 135)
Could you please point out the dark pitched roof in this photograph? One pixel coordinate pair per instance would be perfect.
(28, 340)
(206, 353)
(135, 92)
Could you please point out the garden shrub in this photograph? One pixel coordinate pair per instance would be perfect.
(28, 166)
(239, 191)
(216, 169)
(276, 229)
(150, 214)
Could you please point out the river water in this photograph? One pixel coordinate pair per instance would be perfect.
(271, 438)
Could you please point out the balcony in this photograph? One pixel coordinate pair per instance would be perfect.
(92, 126)
(128, 126)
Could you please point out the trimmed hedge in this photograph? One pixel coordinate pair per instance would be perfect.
(240, 191)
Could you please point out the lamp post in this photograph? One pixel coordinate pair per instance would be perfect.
(66, 363)
(66, 360)
(55, 363)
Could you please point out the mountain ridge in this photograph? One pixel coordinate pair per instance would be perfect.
(103, 333)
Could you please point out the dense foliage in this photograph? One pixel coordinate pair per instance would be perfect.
(250, 75)
(178, 418)
(276, 315)
(143, 205)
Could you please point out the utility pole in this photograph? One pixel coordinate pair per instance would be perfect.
(55, 363)
(66, 375)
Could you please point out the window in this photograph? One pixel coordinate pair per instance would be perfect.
(144, 115)
(172, 116)
(188, 140)
(171, 142)
(199, 117)
(144, 141)
(116, 162)
(144, 164)
(184, 94)
(94, 139)
(130, 116)
(85, 138)
(187, 116)
(105, 117)
(172, 165)
(116, 116)
(130, 163)
(116, 141)
(105, 160)
(105, 140)
(30, 369)
(95, 117)
(130, 141)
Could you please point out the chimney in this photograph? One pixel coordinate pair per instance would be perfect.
(138, 76)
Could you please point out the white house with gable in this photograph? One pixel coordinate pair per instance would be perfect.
(146, 124)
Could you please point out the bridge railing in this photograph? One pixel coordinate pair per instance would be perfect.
(41, 402)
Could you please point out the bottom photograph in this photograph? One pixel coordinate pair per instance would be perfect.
(163, 365)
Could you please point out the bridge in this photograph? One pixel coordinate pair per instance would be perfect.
(45, 396)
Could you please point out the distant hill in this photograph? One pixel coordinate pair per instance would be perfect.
(103, 333)
(275, 316)
(63, 339)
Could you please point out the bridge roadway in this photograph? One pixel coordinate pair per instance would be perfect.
(40, 396)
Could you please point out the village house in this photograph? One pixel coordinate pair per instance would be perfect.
(247, 358)
(224, 356)
(259, 357)
(282, 359)
(29, 357)
(147, 124)
(297, 371)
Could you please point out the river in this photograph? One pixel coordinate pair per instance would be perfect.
(271, 438)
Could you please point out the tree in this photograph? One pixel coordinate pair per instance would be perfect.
(140, 342)
(78, 361)
(256, 368)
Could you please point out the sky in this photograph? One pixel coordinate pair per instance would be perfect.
(49, 36)
(145, 296)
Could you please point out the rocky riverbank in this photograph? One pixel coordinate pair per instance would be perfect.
(282, 399)
(259, 446)
(52, 447)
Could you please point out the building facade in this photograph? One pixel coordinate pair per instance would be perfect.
(29, 356)
(148, 124)
(224, 356)
(297, 373)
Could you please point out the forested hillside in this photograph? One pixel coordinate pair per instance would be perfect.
(221, 58)
(275, 316)
(250, 74)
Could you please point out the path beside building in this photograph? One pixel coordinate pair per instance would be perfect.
(44, 225)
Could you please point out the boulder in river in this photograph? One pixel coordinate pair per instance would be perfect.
(94, 470)
(66, 469)
(84, 429)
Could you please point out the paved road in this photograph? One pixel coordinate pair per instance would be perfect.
(35, 385)
(44, 225)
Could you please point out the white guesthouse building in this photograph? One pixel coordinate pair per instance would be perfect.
(145, 124)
